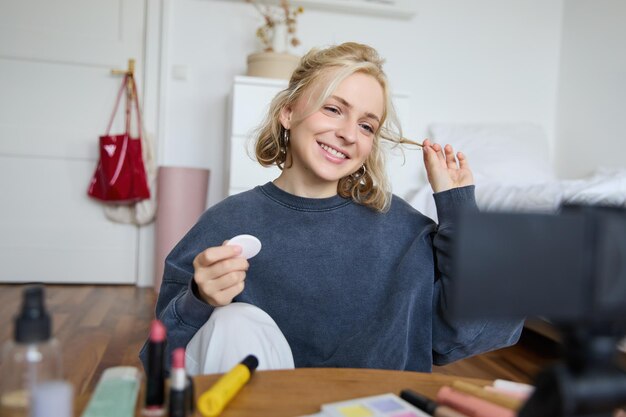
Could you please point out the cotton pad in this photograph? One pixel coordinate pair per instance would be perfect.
(250, 245)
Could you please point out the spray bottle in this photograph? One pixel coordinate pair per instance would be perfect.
(31, 361)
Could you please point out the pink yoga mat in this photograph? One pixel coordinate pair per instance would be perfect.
(181, 199)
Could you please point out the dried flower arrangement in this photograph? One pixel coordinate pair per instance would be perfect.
(283, 14)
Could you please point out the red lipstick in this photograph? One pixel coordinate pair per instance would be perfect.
(178, 385)
(155, 374)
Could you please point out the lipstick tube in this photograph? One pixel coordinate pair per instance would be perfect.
(155, 374)
(179, 400)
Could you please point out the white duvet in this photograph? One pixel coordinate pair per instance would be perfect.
(606, 187)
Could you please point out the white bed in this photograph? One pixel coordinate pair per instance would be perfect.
(513, 172)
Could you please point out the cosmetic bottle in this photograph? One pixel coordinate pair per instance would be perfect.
(31, 360)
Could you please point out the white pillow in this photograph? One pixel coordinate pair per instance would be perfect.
(513, 153)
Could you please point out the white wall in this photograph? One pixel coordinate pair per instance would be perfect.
(591, 119)
(461, 61)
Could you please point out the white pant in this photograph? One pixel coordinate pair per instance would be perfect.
(232, 333)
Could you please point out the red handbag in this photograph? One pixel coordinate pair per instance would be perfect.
(120, 175)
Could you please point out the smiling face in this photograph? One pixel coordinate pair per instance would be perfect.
(335, 140)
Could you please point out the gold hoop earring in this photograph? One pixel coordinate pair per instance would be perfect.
(360, 173)
(283, 148)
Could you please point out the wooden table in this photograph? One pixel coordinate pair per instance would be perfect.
(302, 391)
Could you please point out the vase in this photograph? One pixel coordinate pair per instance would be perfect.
(272, 64)
(280, 38)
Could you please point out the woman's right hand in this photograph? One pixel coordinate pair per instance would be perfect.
(220, 274)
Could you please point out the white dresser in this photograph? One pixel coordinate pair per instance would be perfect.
(249, 102)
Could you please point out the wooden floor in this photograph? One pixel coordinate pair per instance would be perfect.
(102, 326)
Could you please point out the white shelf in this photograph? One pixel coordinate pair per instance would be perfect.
(402, 9)
(399, 9)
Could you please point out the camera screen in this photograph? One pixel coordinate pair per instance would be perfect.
(566, 266)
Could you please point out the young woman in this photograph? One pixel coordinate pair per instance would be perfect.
(349, 275)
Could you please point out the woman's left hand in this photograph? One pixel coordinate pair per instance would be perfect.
(445, 170)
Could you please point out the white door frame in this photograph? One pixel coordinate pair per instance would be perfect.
(155, 86)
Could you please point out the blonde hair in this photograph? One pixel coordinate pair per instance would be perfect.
(369, 186)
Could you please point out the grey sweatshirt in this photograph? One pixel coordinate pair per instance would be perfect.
(348, 286)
